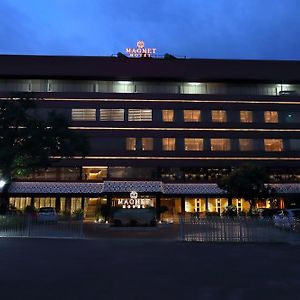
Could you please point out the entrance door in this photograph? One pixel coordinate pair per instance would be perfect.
(92, 207)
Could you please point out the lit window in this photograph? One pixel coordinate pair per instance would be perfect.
(193, 144)
(275, 145)
(111, 114)
(83, 114)
(168, 144)
(271, 116)
(220, 144)
(246, 116)
(147, 144)
(246, 144)
(219, 116)
(168, 115)
(131, 144)
(192, 115)
(139, 114)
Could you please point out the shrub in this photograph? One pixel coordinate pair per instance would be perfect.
(230, 210)
(78, 214)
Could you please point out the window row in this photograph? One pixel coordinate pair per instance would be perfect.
(89, 114)
(92, 86)
(197, 144)
(168, 115)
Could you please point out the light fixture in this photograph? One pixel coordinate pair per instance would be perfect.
(2, 183)
(193, 83)
(125, 82)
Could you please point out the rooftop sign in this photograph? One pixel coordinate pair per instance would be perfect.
(140, 50)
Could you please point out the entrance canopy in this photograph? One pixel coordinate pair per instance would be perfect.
(90, 188)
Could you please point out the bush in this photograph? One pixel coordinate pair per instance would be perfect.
(230, 210)
(212, 214)
(78, 214)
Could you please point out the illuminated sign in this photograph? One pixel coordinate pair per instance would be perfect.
(135, 202)
(140, 50)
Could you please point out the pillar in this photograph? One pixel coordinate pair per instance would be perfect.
(57, 204)
(109, 207)
(31, 202)
(68, 204)
(182, 205)
(158, 207)
(206, 204)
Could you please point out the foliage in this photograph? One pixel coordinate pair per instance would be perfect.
(212, 214)
(27, 142)
(105, 211)
(230, 210)
(248, 182)
(78, 214)
(12, 222)
(30, 209)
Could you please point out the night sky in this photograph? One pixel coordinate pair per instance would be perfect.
(238, 29)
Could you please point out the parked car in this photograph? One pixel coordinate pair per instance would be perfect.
(288, 219)
(268, 213)
(47, 215)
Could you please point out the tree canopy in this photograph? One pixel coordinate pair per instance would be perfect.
(27, 142)
(248, 182)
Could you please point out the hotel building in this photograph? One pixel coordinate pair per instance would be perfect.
(164, 128)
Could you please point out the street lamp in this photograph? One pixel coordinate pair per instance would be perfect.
(2, 183)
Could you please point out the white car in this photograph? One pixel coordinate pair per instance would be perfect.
(288, 219)
(47, 215)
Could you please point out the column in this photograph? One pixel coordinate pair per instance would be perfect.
(206, 204)
(57, 204)
(68, 205)
(182, 205)
(109, 207)
(82, 203)
(158, 207)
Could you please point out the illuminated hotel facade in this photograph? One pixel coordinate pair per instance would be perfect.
(164, 128)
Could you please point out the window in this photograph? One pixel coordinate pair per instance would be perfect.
(192, 115)
(219, 116)
(139, 114)
(193, 144)
(246, 144)
(147, 144)
(271, 116)
(273, 145)
(168, 115)
(246, 116)
(294, 144)
(111, 114)
(220, 144)
(83, 114)
(131, 144)
(168, 144)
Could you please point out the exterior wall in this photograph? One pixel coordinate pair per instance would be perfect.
(223, 97)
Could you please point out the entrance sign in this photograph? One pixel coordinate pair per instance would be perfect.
(140, 50)
(135, 202)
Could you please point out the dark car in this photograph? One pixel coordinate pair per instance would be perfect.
(265, 213)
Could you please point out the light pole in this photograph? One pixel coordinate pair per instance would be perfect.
(2, 183)
(2, 205)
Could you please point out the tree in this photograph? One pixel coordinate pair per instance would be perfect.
(248, 182)
(28, 142)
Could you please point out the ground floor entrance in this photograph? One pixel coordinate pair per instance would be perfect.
(168, 208)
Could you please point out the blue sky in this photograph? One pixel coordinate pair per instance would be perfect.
(238, 29)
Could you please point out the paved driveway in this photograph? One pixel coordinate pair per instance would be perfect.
(146, 269)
